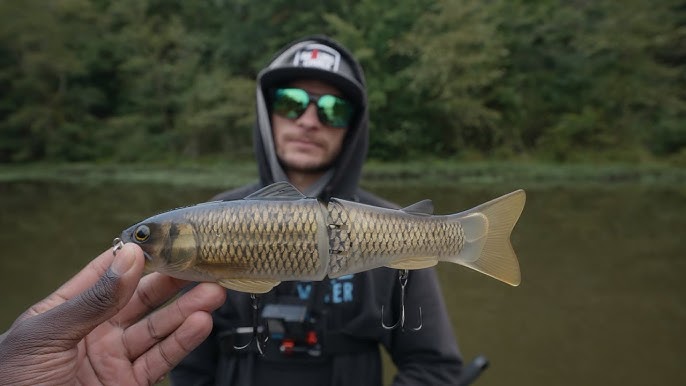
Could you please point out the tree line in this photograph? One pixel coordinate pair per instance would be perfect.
(144, 80)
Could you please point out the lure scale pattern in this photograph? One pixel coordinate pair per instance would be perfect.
(265, 240)
(362, 238)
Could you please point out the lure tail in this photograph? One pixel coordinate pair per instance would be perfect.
(487, 230)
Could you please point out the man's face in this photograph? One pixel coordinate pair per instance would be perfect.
(305, 144)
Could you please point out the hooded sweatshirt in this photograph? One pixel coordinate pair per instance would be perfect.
(344, 314)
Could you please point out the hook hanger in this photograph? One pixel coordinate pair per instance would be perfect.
(258, 335)
(402, 277)
(117, 244)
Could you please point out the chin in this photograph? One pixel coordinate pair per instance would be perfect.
(306, 165)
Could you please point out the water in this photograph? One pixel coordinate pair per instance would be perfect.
(602, 299)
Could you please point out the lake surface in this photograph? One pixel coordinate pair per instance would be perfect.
(602, 299)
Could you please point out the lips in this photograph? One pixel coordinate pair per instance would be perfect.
(303, 141)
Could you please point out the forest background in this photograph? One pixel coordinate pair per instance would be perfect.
(163, 80)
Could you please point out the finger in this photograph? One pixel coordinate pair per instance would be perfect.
(76, 317)
(141, 336)
(152, 291)
(83, 280)
(90, 274)
(165, 355)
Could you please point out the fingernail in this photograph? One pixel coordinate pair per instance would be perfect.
(123, 261)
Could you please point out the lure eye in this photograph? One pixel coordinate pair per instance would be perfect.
(142, 233)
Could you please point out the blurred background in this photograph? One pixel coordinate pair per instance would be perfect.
(111, 111)
(465, 79)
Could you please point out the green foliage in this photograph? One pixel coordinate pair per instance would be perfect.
(458, 59)
(134, 80)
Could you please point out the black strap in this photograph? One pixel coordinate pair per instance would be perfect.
(341, 344)
(333, 344)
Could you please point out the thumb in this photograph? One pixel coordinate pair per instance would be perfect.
(77, 317)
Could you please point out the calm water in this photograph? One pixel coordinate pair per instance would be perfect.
(602, 301)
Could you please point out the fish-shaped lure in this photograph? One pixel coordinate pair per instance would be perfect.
(277, 234)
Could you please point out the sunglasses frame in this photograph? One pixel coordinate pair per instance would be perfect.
(312, 99)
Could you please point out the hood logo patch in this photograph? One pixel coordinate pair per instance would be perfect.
(318, 56)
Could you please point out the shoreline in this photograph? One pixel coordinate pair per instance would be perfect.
(375, 174)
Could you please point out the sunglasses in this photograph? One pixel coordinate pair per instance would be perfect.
(332, 111)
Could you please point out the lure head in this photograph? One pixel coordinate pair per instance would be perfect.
(169, 246)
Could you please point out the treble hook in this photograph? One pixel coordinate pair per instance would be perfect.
(402, 277)
(257, 336)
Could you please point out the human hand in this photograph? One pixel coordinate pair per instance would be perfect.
(98, 329)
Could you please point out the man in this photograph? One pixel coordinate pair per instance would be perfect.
(311, 131)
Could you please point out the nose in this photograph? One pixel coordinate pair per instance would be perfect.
(309, 118)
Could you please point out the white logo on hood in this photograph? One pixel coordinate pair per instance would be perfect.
(318, 56)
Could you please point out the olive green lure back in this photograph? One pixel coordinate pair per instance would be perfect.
(277, 234)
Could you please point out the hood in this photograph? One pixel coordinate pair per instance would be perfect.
(321, 58)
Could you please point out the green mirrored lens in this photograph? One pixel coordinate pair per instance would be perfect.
(290, 102)
(334, 111)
